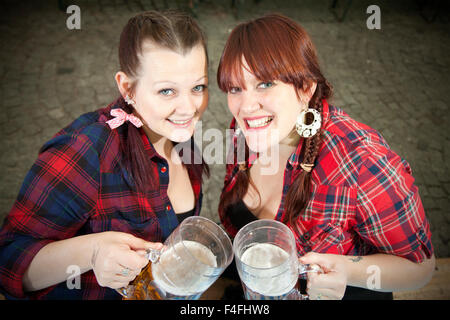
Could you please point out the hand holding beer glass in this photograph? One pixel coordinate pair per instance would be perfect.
(193, 257)
(267, 262)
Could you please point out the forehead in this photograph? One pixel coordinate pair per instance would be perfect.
(240, 73)
(163, 64)
(245, 72)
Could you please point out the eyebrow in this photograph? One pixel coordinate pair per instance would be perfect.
(171, 82)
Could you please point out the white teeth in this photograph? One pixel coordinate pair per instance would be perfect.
(180, 121)
(259, 122)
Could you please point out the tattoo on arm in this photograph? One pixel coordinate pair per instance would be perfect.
(356, 259)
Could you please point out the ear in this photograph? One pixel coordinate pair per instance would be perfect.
(309, 92)
(123, 83)
(306, 92)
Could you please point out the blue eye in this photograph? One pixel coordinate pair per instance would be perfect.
(199, 88)
(166, 92)
(235, 90)
(265, 85)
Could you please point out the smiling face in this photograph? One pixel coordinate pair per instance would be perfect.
(266, 111)
(171, 91)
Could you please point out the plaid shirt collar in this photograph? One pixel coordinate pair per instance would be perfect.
(148, 146)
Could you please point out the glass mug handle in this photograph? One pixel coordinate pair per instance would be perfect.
(302, 269)
(305, 268)
(150, 254)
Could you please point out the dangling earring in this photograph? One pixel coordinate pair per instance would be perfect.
(308, 130)
(129, 100)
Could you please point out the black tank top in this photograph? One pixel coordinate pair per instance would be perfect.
(184, 215)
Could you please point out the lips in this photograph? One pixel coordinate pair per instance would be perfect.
(180, 122)
(256, 123)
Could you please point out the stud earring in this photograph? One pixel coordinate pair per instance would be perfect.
(129, 100)
(308, 130)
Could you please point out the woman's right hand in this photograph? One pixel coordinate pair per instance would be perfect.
(118, 257)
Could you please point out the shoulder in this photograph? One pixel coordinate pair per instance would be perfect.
(340, 126)
(347, 144)
(89, 130)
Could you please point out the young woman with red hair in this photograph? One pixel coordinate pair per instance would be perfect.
(348, 198)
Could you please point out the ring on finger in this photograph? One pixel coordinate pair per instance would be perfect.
(319, 296)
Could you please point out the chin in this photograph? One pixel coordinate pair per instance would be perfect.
(181, 135)
(262, 142)
(257, 146)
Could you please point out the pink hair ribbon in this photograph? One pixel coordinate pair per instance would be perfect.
(120, 117)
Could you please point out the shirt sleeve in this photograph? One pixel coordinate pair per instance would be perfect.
(54, 202)
(390, 213)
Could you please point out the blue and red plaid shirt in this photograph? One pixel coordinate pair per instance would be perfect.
(77, 186)
(363, 197)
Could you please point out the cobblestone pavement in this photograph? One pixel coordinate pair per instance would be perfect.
(395, 79)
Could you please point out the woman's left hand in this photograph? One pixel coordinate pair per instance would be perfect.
(331, 284)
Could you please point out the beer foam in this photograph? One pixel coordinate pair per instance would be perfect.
(267, 281)
(201, 252)
(264, 255)
(177, 273)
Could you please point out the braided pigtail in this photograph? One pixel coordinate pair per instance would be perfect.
(299, 193)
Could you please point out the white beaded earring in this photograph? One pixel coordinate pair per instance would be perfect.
(308, 130)
(129, 100)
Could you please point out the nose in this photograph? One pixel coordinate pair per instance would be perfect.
(249, 103)
(186, 105)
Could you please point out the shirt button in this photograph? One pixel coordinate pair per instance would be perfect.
(163, 169)
(168, 207)
(306, 236)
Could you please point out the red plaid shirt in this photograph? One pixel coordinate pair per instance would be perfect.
(363, 197)
(77, 186)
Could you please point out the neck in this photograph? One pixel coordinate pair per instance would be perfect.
(289, 144)
(281, 152)
(162, 145)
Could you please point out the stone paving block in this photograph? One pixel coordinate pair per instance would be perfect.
(56, 113)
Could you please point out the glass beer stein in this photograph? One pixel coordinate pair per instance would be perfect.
(267, 261)
(193, 257)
